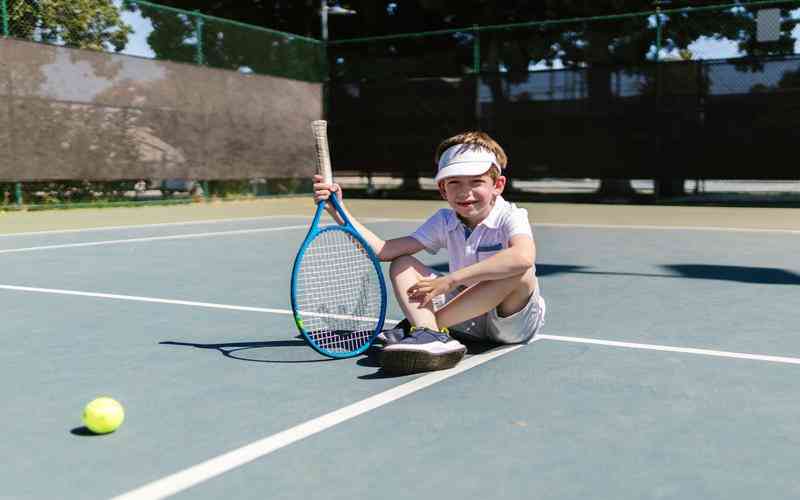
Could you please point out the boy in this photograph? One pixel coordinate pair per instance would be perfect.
(491, 293)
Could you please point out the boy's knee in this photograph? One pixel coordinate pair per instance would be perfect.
(401, 264)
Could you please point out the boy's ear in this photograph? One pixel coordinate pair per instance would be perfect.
(500, 184)
(442, 191)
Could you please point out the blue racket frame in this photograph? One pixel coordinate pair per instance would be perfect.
(313, 232)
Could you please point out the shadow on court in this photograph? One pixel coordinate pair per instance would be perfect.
(233, 350)
(84, 431)
(739, 274)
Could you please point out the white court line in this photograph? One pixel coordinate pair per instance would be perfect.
(196, 474)
(685, 350)
(677, 228)
(204, 471)
(168, 224)
(579, 340)
(151, 238)
(135, 298)
(145, 226)
(156, 300)
(161, 238)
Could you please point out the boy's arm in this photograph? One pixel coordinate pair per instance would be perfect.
(385, 250)
(516, 259)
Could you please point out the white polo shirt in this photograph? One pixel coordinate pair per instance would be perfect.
(445, 230)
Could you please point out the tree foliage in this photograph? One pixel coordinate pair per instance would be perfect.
(218, 42)
(85, 24)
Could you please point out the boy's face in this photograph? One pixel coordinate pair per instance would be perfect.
(472, 196)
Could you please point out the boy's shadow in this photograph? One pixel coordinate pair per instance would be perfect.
(233, 350)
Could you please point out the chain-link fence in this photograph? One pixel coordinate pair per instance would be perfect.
(684, 92)
(675, 93)
(742, 30)
(145, 29)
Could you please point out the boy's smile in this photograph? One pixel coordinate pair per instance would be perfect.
(472, 196)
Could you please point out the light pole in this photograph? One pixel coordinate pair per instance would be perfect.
(326, 11)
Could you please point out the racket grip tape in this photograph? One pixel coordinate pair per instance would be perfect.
(320, 129)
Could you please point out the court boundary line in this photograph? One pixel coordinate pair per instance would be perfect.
(145, 226)
(168, 224)
(199, 473)
(138, 298)
(676, 228)
(667, 348)
(288, 312)
(151, 238)
(208, 469)
(392, 219)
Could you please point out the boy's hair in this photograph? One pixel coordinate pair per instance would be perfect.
(475, 138)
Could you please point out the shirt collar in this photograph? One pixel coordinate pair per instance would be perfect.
(491, 221)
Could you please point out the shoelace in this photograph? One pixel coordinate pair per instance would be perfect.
(445, 330)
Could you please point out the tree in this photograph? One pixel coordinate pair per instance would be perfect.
(293, 16)
(84, 24)
(187, 37)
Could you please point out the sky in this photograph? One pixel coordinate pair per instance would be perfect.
(137, 42)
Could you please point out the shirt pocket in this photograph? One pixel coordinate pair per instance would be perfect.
(487, 250)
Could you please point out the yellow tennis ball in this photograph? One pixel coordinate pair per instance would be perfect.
(103, 415)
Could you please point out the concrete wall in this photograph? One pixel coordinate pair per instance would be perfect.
(76, 114)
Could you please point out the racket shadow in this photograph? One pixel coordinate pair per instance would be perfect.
(233, 350)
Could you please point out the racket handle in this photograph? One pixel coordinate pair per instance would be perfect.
(320, 129)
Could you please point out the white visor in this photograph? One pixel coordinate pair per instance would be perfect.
(465, 159)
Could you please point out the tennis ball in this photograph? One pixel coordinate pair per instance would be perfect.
(103, 415)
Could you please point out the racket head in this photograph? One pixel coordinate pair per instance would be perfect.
(338, 291)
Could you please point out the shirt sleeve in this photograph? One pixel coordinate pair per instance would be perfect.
(431, 233)
(517, 223)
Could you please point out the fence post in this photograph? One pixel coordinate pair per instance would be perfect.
(4, 15)
(476, 50)
(18, 193)
(476, 70)
(659, 178)
(658, 28)
(198, 27)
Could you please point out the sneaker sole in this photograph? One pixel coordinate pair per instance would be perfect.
(408, 362)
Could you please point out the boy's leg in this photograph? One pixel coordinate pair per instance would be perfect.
(507, 295)
(425, 348)
(404, 272)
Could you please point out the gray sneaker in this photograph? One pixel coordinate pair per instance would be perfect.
(389, 337)
(393, 336)
(422, 350)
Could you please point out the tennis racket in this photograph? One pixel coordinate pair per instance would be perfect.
(338, 291)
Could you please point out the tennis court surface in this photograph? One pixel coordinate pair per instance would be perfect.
(667, 367)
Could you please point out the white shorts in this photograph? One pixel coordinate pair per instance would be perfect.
(517, 328)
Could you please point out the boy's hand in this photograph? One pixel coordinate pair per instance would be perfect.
(427, 288)
(322, 191)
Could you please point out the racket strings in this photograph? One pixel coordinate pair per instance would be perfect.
(338, 292)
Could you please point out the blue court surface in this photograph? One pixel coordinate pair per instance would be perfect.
(667, 369)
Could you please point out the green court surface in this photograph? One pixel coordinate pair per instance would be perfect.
(665, 370)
